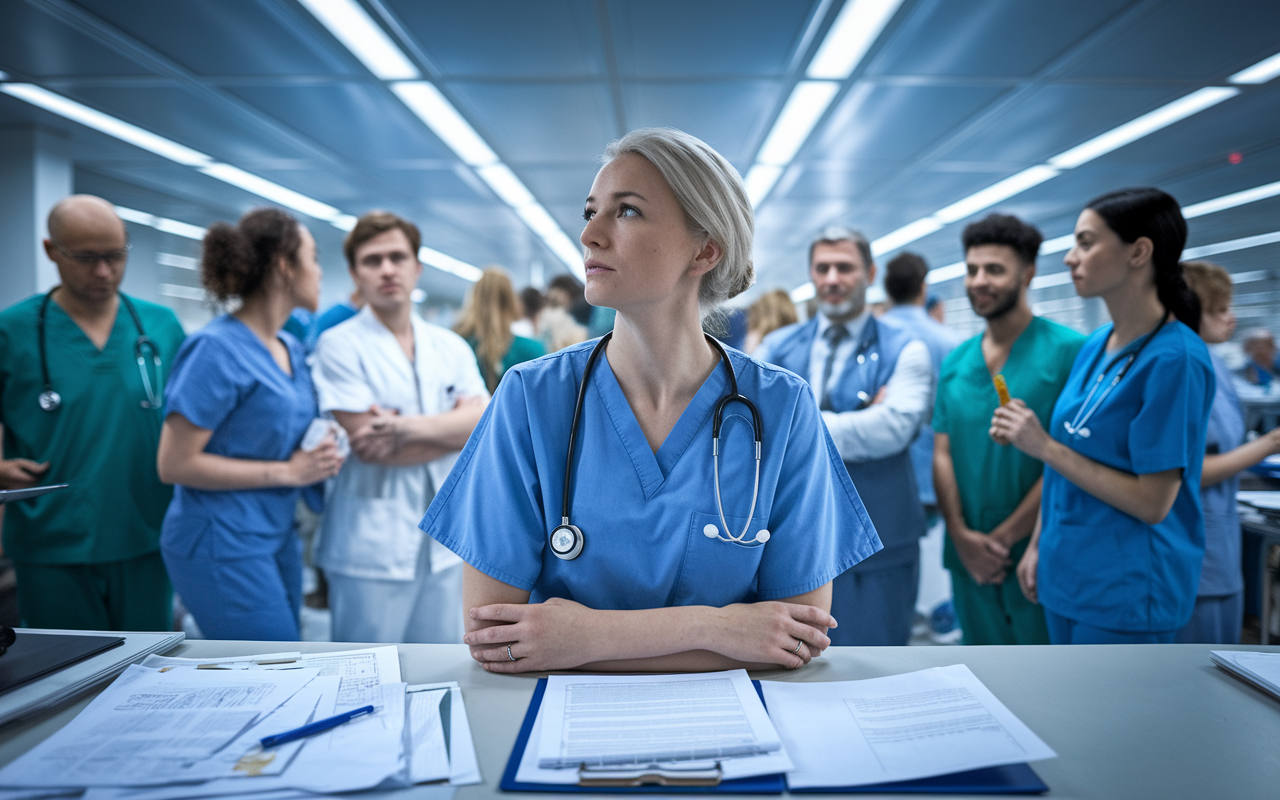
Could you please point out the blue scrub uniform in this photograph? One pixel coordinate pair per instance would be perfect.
(1105, 576)
(234, 556)
(1219, 608)
(642, 514)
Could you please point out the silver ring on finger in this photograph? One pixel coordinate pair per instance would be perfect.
(513, 658)
(799, 644)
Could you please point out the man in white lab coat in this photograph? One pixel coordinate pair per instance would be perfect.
(409, 394)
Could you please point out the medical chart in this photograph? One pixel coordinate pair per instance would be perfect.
(901, 727)
(149, 723)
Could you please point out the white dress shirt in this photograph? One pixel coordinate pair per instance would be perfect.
(889, 426)
(372, 511)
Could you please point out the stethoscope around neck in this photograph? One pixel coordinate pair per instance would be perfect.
(567, 540)
(1077, 426)
(143, 348)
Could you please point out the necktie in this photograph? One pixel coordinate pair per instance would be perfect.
(834, 335)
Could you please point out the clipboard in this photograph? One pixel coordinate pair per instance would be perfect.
(761, 784)
(12, 495)
(1009, 779)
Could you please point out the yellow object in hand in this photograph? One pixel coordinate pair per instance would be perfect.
(1002, 389)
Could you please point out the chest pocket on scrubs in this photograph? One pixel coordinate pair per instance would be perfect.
(716, 572)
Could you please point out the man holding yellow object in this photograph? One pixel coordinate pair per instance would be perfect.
(989, 494)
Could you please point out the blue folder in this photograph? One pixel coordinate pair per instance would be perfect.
(1011, 779)
(762, 784)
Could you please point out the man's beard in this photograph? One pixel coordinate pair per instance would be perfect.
(848, 308)
(1004, 304)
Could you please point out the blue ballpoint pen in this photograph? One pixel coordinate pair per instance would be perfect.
(314, 728)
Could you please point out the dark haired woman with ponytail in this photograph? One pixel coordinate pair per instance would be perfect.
(240, 400)
(1116, 554)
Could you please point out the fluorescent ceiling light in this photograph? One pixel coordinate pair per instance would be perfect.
(91, 118)
(538, 220)
(850, 37)
(507, 186)
(1231, 246)
(996, 193)
(1060, 244)
(177, 261)
(1232, 200)
(344, 222)
(905, 235)
(1053, 279)
(568, 252)
(808, 101)
(425, 100)
(184, 292)
(760, 180)
(164, 224)
(271, 191)
(351, 24)
(948, 273)
(449, 264)
(1261, 72)
(1249, 277)
(805, 293)
(1144, 125)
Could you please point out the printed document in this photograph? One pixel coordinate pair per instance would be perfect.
(621, 721)
(1260, 669)
(147, 724)
(901, 727)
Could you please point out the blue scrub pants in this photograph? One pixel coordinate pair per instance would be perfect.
(876, 607)
(1215, 620)
(246, 598)
(1067, 631)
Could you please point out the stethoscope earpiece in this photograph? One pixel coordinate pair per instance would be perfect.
(712, 532)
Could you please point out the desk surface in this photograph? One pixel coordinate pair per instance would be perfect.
(1127, 721)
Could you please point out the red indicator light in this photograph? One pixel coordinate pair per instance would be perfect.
(1235, 158)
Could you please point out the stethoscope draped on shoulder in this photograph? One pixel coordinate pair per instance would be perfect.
(144, 350)
(1077, 427)
(567, 539)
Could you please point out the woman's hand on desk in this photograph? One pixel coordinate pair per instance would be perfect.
(555, 634)
(1015, 424)
(768, 632)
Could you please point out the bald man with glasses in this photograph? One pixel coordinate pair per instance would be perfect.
(82, 373)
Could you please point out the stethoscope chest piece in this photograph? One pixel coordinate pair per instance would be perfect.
(567, 542)
(50, 400)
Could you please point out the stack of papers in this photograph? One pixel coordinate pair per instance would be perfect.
(53, 690)
(1262, 670)
(189, 728)
(597, 727)
(922, 724)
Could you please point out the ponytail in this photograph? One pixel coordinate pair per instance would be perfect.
(1149, 212)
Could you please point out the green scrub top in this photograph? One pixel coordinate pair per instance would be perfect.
(994, 478)
(101, 440)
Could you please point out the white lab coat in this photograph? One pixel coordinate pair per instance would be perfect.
(370, 526)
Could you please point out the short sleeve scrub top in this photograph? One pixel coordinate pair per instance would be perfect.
(642, 513)
(1099, 567)
(234, 556)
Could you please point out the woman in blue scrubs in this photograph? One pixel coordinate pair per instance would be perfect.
(1116, 556)
(239, 401)
(663, 580)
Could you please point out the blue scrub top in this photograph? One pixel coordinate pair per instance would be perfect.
(642, 514)
(1221, 574)
(225, 380)
(1098, 565)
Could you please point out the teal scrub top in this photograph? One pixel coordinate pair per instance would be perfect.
(1098, 565)
(101, 440)
(642, 513)
(994, 478)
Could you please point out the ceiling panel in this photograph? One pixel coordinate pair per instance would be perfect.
(724, 114)
(226, 37)
(360, 122)
(37, 46)
(682, 39)
(539, 123)
(999, 38)
(512, 38)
